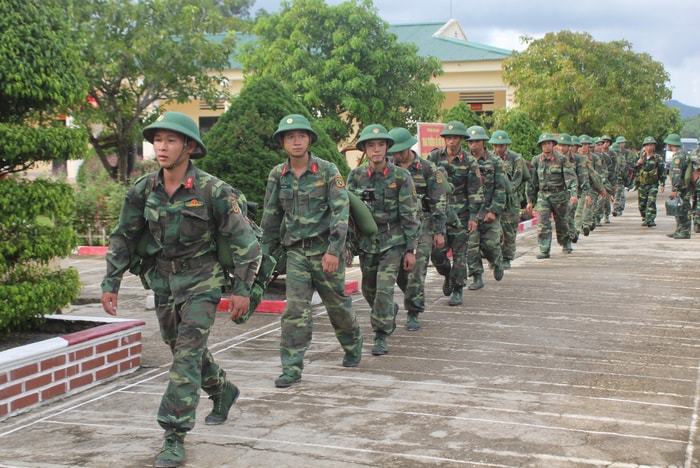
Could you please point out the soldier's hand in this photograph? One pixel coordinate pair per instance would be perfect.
(573, 201)
(329, 263)
(238, 306)
(588, 200)
(490, 217)
(661, 189)
(438, 241)
(673, 194)
(471, 226)
(528, 208)
(409, 261)
(109, 302)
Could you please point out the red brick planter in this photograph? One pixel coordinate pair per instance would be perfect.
(36, 373)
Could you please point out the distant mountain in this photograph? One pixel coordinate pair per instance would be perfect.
(686, 111)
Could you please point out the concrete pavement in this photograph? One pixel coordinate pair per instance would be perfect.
(588, 359)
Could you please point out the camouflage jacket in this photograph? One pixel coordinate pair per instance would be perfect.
(594, 168)
(552, 174)
(313, 207)
(184, 227)
(465, 177)
(679, 163)
(493, 179)
(610, 160)
(431, 193)
(580, 166)
(651, 170)
(394, 207)
(517, 173)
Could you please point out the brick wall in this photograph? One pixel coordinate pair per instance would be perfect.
(34, 374)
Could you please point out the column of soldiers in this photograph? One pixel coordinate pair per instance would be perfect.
(455, 206)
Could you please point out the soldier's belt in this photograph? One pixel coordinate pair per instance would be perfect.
(178, 265)
(553, 189)
(308, 242)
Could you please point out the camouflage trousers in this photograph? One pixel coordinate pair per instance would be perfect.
(185, 328)
(589, 211)
(620, 198)
(412, 283)
(548, 205)
(509, 227)
(486, 242)
(647, 201)
(604, 208)
(684, 222)
(304, 275)
(570, 220)
(457, 240)
(580, 211)
(379, 273)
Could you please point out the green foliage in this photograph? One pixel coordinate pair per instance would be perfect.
(567, 82)
(345, 66)
(521, 130)
(36, 228)
(240, 146)
(41, 67)
(28, 295)
(691, 127)
(41, 76)
(139, 53)
(99, 199)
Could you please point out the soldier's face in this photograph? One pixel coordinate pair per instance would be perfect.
(169, 145)
(476, 146)
(585, 148)
(453, 142)
(402, 157)
(500, 149)
(296, 143)
(547, 146)
(376, 150)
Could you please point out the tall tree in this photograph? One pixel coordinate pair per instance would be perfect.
(568, 82)
(345, 66)
(141, 53)
(240, 147)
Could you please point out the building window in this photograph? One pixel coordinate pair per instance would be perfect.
(206, 123)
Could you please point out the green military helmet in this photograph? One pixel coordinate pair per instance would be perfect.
(454, 128)
(180, 123)
(648, 140)
(620, 139)
(585, 140)
(673, 139)
(500, 137)
(373, 132)
(597, 140)
(294, 122)
(615, 146)
(403, 140)
(575, 141)
(564, 139)
(607, 137)
(546, 137)
(477, 133)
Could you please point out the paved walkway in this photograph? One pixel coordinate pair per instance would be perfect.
(588, 359)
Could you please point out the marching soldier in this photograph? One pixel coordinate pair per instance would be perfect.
(650, 179)
(677, 169)
(430, 188)
(390, 195)
(554, 187)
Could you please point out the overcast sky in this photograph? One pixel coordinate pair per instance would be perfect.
(668, 31)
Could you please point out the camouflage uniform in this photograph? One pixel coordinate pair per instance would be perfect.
(553, 183)
(486, 240)
(187, 280)
(677, 169)
(694, 187)
(611, 162)
(394, 207)
(649, 174)
(584, 218)
(463, 205)
(430, 189)
(517, 174)
(625, 174)
(580, 167)
(314, 209)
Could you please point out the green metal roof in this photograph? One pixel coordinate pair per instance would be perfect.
(447, 49)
